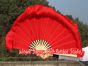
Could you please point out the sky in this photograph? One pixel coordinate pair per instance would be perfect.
(76, 8)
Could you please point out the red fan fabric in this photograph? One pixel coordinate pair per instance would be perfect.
(39, 22)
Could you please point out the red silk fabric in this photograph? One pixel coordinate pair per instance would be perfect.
(39, 22)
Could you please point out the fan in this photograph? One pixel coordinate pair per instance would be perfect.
(42, 28)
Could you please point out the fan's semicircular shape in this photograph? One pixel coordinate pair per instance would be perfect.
(42, 28)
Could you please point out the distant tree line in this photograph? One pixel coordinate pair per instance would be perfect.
(83, 29)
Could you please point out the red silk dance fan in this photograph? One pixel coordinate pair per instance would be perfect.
(42, 28)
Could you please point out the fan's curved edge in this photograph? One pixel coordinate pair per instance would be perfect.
(43, 10)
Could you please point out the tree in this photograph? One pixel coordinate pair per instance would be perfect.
(83, 29)
(11, 9)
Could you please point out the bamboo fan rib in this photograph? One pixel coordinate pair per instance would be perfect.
(40, 45)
